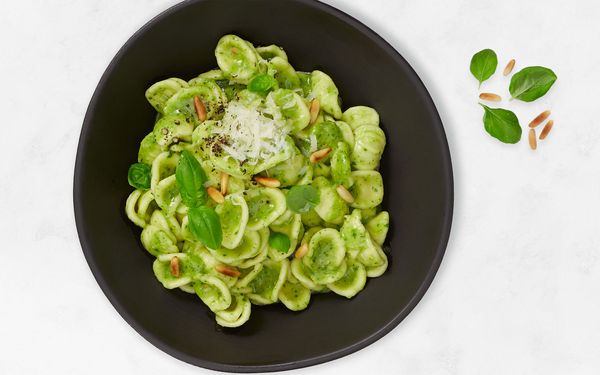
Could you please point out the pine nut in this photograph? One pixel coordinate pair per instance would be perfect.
(490, 97)
(302, 250)
(315, 106)
(546, 129)
(224, 182)
(509, 67)
(267, 181)
(344, 194)
(227, 271)
(532, 139)
(174, 266)
(539, 119)
(319, 155)
(215, 195)
(200, 108)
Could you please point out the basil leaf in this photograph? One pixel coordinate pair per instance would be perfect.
(483, 64)
(531, 83)
(190, 179)
(279, 242)
(205, 226)
(138, 176)
(501, 124)
(262, 83)
(301, 198)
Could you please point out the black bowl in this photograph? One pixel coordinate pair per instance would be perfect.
(416, 169)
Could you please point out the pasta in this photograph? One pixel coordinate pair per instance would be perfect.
(237, 185)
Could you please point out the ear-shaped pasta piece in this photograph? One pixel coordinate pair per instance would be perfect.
(292, 107)
(172, 128)
(369, 142)
(269, 52)
(213, 292)
(264, 206)
(266, 285)
(325, 257)
(361, 116)
(132, 211)
(352, 282)
(167, 195)
(290, 171)
(234, 217)
(323, 89)
(378, 227)
(214, 74)
(163, 166)
(159, 93)
(211, 95)
(347, 133)
(331, 207)
(341, 168)
(354, 234)
(236, 314)
(158, 240)
(311, 218)
(327, 134)
(247, 275)
(237, 58)
(367, 214)
(149, 149)
(247, 248)
(293, 294)
(377, 271)
(290, 228)
(261, 256)
(284, 73)
(164, 272)
(367, 189)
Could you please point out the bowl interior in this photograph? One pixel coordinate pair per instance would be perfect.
(416, 170)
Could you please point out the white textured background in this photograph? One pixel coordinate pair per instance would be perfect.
(518, 291)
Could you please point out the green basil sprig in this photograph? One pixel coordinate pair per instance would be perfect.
(190, 179)
(279, 242)
(301, 198)
(531, 83)
(205, 226)
(138, 176)
(501, 124)
(483, 64)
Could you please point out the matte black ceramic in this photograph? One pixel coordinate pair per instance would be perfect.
(416, 169)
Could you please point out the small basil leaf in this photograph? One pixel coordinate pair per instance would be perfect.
(301, 198)
(205, 226)
(501, 124)
(279, 242)
(531, 83)
(262, 83)
(138, 176)
(483, 64)
(190, 179)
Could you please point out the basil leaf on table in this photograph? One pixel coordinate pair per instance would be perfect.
(279, 242)
(531, 83)
(501, 124)
(483, 64)
(301, 198)
(138, 176)
(205, 226)
(190, 179)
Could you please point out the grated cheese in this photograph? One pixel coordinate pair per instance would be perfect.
(253, 136)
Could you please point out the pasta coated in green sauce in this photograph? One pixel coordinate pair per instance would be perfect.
(250, 126)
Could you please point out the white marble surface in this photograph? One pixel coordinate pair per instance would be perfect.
(518, 291)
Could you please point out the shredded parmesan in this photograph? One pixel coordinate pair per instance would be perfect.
(253, 136)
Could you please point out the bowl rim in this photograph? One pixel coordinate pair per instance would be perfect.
(354, 347)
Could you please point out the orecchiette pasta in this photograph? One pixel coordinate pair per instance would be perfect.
(253, 127)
